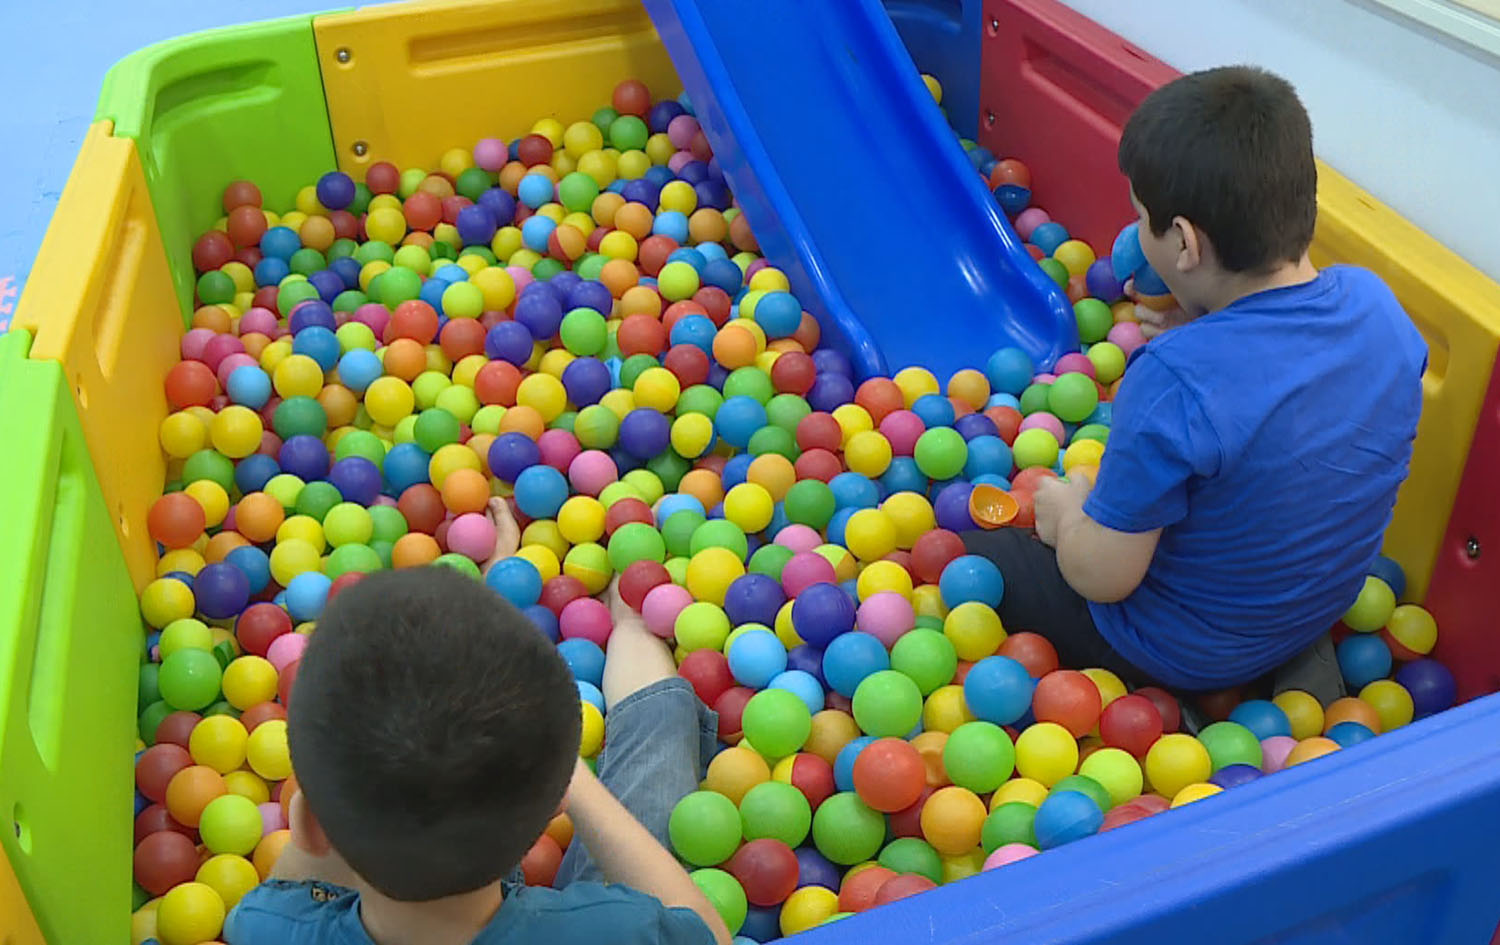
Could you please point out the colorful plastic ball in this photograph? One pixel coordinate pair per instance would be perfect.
(1064, 817)
(267, 751)
(704, 828)
(974, 629)
(1303, 711)
(1392, 703)
(189, 679)
(231, 824)
(925, 657)
(1274, 752)
(1235, 775)
(1035, 447)
(755, 658)
(1349, 734)
(999, 690)
(189, 914)
(849, 658)
(952, 820)
(886, 615)
(1431, 685)
(1230, 743)
(1363, 658)
(1262, 717)
(1046, 752)
(776, 722)
(1373, 608)
(1309, 749)
(971, 578)
(1068, 698)
(887, 704)
(777, 810)
(979, 756)
(846, 830)
(1132, 723)
(1411, 632)
(822, 612)
(767, 870)
(1176, 761)
(754, 598)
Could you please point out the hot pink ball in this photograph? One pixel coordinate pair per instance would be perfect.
(384, 500)
(1274, 751)
(271, 817)
(559, 448)
(755, 267)
(662, 605)
(1029, 219)
(592, 470)
(1008, 854)
(194, 342)
(803, 570)
(886, 616)
(472, 535)
(1127, 335)
(799, 537)
(258, 320)
(286, 650)
(220, 347)
(237, 360)
(521, 277)
(1075, 363)
(375, 315)
(902, 428)
(1042, 420)
(491, 154)
(1046, 377)
(680, 131)
(585, 619)
(679, 160)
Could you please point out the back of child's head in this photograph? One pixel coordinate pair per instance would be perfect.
(433, 730)
(1230, 150)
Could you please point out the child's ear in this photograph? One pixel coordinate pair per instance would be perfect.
(307, 833)
(1192, 248)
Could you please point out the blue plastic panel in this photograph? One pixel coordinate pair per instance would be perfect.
(942, 37)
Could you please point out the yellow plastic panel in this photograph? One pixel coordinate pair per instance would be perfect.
(100, 300)
(1457, 310)
(17, 925)
(407, 81)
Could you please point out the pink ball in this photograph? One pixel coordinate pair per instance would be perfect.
(384, 500)
(1046, 377)
(1075, 363)
(592, 470)
(472, 535)
(1042, 420)
(491, 154)
(521, 277)
(1127, 335)
(258, 320)
(585, 619)
(286, 650)
(680, 131)
(755, 267)
(1274, 751)
(803, 570)
(375, 315)
(679, 160)
(1029, 219)
(271, 817)
(902, 428)
(799, 537)
(559, 448)
(886, 616)
(220, 347)
(194, 342)
(237, 360)
(662, 605)
(1008, 854)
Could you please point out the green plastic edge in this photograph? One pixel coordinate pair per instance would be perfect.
(70, 644)
(241, 102)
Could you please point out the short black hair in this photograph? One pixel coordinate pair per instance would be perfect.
(433, 731)
(1231, 150)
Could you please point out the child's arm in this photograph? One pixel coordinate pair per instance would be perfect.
(625, 852)
(1101, 564)
(507, 532)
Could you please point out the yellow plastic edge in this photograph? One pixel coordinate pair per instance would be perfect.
(1457, 309)
(17, 924)
(406, 78)
(100, 300)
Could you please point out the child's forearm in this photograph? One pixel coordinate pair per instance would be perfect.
(627, 853)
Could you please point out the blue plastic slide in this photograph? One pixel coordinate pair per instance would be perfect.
(854, 184)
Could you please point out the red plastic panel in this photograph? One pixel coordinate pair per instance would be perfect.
(1055, 89)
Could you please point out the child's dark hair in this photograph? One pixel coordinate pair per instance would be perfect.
(433, 731)
(1231, 150)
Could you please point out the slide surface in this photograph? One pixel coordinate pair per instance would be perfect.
(853, 183)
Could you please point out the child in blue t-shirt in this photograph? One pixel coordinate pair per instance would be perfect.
(1258, 439)
(435, 733)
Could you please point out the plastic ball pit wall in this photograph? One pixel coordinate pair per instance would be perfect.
(1393, 837)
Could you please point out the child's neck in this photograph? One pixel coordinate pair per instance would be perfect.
(1240, 285)
(455, 920)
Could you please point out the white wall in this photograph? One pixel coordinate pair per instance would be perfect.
(1409, 114)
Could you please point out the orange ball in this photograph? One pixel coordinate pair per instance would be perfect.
(317, 233)
(635, 219)
(604, 208)
(257, 516)
(1310, 748)
(268, 851)
(639, 300)
(221, 545)
(952, 819)
(703, 485)
(735, 347)
(414, 549)
(809, 333)
(774, 473)
(254, 343)
(567, 243)
(1350, 709)
(289, 789)
(619, 276)
(970, 387)
(480, 444)
(707, 225)
(214, 317)
(176, 520)
(191, 790)
(560, 829)
(523, 419)
(405, 358)
(465, 490)
(930, 746)
(511, 174)
(339, 403)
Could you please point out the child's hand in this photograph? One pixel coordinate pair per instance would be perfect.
(1056, 499)
(507, 532)
(1153, 321)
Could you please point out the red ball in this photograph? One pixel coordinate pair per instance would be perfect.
(793, 373)
(907, 822)
(246, 226)
(641, 334)
(285, 681)
(176, 520)
(560, 591)
(932, 553)
(422, 507)
(452, 205)
(653, 253)
(155, 768)
(241, 193)
(817, 464)
(250, 256)
(343, 582)
(262, 712)
(1033, 651)
(1218, 705)
(731, 711)
(155, 819)
(534, 150)
(191, 384)
(163, 860)
(707, 671)
(813, 776)
(689, 363)
(638, 579)
(879, 396)
(1131, 722)
(345, 224)
(715, 302)
(901, 886)
(413, 319)
(260, 624)
(1151, 803)
(423, 210)
(540, 863)
(818, 430)
(497, 383)
(1070, 699)
(177, 728)
(767, 869)
(625, 511)
(857, 892)
(1007, 419)
(889, 775)
(212, 250)
(1122, 815)
(631, 97)
(677, 311)
(462, 337)
(1028, 479)
(383, 178)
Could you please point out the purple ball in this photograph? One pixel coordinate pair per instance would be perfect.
(717, 375)
(328, 283)
(1232, 776)
(693, 172)
(500, 204)
(356, 478)
(662, 113)
(544, 619)
(335, 190)
(541, 288)
(476, 224)
(712, 193)
(586, 380)
(829, 390)
(1101, 282)
(347, 268)
(563, 283)
(511, 454)
(304, 456)
(643, 191)
(645, 432)
(509, 341)
(829, 361)
(592, 295)
(754, 598)
(540, 313)
(222, 590)
(952, 508)
(821, 612)
(1432, 687)
(309, 313)
(975, 424)
(625, 462)
(808, 659)
(814, 869)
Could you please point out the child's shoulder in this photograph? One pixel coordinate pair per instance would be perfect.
(279, 912)
(587, 912)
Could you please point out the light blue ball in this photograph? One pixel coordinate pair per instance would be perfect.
(756, 657)
(803, 685)
(850, 658)
(307, 594)
(359, 368)
(249, 386)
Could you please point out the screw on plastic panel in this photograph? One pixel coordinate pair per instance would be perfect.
(1471, 548)
(989, 119)
(343, 54)
(994, 26)
(360, 148)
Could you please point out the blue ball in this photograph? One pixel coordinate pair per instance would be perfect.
(1064, 817)
(536, 231)
(1010, 370)
(309, 314)
(756, 657)
(671, 224)
(822, 612)
(1348, 734)
(644, 433)
(850, 658)
(809, 659)
(328, 283)
(998, 689)
(676, 502)
(829, 391)
(221, 590)
(1049, 236)
(357, 479)
(281, 242)
(838, 524)
(724, 274)
(1231, 776)
(253, 472)
(307, 595)
(540, 313)
(405, 466)
(272, 269)
(695, 330)
(1391, 573)
(541, 491)
(762, 924)
(544, 620)
(588, 692)
(586, 380)
(517, 580)
(476, 224)
(588, 294)
(1012, 198)
(779, 313)
(754, 598)
(535, 190)
(511, 454)
(317, 343)
(988, 455)
(951, 507)
(1363, 658)
(346, 268)
(1262, 717)
(336, 190)
(249, 386)
(935, 410)
(432, 293)
(304, 456)
(738, 419)
(509, 341)
(501, 205)
(853, 491)
(970, 577)
(736, 471)
(803, 685)
(843, 762)
(358, 369)
(903, 475)
(584, 658)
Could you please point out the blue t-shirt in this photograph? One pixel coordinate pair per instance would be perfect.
(288, 913)
(1267, 441)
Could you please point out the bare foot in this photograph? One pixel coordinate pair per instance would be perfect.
(507, 532)
(635, 657)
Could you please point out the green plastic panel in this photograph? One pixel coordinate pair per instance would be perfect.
(212, 107)
(70, 643)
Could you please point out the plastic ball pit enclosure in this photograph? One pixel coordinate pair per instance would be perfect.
(1393, 837)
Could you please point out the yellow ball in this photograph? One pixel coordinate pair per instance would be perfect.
(927, 601)
(219, 742)
(248, 681)
(1046, 753)
(619, 245)
(974, 629)
(868, 453)
(555, 361)
(230, 876)
(497, 287)
(589, 563)
(1082, 453)
(593, 731)
(659, 148)
(581, 137)
(852, 419)
(807, 907)
(449, 458)
(934, 88)
(912, 515)
(680, 196)
(581, 519)
(212, 497)
(182, 434)
(267, 750)
(657, 388)
(1412, 627)
(945, 710)
(165, 600)
(1118, 772)
(879, 576)
(1391, 702)
(915, 382)
(785, 632)
(544, 558)
(303, 527)
(711, 571)
(1309, 748)
(1303, 711)
(1075, 255)
(749, 506)
(692, 435)
(1175, 761)
(190, 914)
(297, 376)
(618, 401)
(734, 771)
(1110, 686)
(386, 224)
(770, 279)
(1024, 790)
(1195, 792)
(389, 400)
(143, 923)
(602, 166)
(870, 534)
(293, 557)
(545, 394)
(185, 560)
(247, 784)
(844, 564)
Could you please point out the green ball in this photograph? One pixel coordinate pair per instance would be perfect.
(677, 570)
(362, 197)
(786, 411)
(361, 443)
(700, 398)
(704, 828)
(725, 894)
(383, 550)
(646, 483)
(810, 502)
(749, 382)
(616, 491)
(546, 268)
(941, 453)
(215, 287)
(887, 704)
(147, 691)
(1370, 611)
(926, 657)
(1034, 398)
(307, 261)
(225, 653)
(634, 366)
(463, 300)
(774, 439)
(317, 499)
(1073, 397)
(231, 823)
(1055, 271)
(928, 622)
(373, 251)
(628, 133)
(1117, 772)
(1230, 743)
(604, 117)
(189, 679)
(349, 300)
(677, 531)
(979, 756)
(776, 722)
(1087, 786)
(1108, 359)
(299, 416)
(459, 563)
(597, 427)
(473, 182)
(436, 428)
(612, 347)
(1092, 431)
(342, 248)
(347, 523)
(184, 634)
(577, 192)
(286, 489)
(1013, 822)
(398, 284)
(443, 250)
(720, 533)
(563, 421)
(152, 716)
(770, 559)
(777, 810)
(351, 559)
(583, 332)
(912, 855)
(635, 541)
(211, 465)
(1034, 447)
(669, 468)
(846, 830)
(1094, 319)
